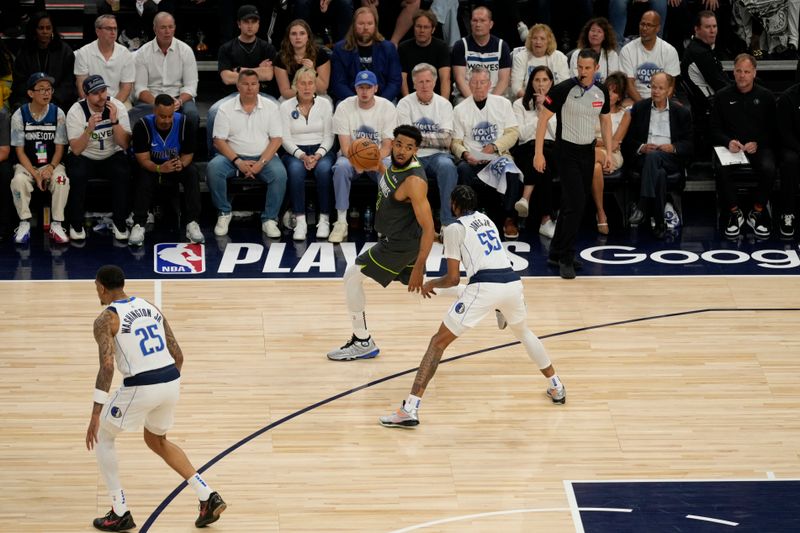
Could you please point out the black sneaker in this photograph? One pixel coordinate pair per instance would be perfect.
(555, 263)
(210, 510)
(787, 225)
(566, 270)
(112, 522)
(760, 222)
(734, 225)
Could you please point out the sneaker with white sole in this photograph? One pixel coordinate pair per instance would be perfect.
(58, 233)
(323, 227)
(501, 319)
(339, 232)
(23, 232)
(787, 225)
(136, 237)
(401, 419)
(355, 348)
(547, 229)
(558, 396)
(77, 235)
(289, 220)
(522, 207)
(735, 221)
(119, 235)
(300, 230)
(223, 221)
(194, 234)
(270, 227)
(760, 222)
(671, 218)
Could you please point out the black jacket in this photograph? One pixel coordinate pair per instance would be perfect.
(705, 59)
(59, 63)
(743, 116)
(680, 127)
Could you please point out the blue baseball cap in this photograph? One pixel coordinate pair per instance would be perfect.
(365, 77)
(36, 77)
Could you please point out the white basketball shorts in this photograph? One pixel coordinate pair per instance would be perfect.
(150, 405)
(480, 299)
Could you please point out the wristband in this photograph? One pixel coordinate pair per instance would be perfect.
(235, 159)
(158, 169)
(100, 396)
(115, 123)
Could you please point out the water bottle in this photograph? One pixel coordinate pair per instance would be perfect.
(311, 214)
(368, 219)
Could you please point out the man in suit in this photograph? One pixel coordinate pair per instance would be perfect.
(660, 137)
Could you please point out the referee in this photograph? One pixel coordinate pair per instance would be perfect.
(577, 102)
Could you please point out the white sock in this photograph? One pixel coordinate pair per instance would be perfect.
(341, 215)
(200, 487)
(412, 403)
(555, 382)
(356, 301)
(118, 501)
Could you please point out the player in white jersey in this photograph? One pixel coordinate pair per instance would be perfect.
(133, 332)
(493, 285)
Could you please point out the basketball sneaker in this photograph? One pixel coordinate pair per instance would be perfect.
(112, 522)
(23, 232)
(557, 395)
(760, 222)
(501, 319)
(401, 418)
(339, 232)
(210, 510)
(355, 348)
(223, 221)
(194, 234)
(735, 221)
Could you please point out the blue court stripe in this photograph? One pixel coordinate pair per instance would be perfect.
(163, 505)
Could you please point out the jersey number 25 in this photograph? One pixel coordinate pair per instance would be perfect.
(149, 336)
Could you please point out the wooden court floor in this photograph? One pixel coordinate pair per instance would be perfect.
(695, 395)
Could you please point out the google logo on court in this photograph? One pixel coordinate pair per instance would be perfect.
(627, 255)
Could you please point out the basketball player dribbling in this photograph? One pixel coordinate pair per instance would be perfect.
(474, 240)
(134, 333)
(404, 223)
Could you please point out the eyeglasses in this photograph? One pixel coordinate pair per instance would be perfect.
(108, 28)
(43, 90)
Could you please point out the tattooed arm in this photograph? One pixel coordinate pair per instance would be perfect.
(104, 327)
(172, 345)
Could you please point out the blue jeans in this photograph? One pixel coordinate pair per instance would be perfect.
(618, 16)
(323, 175)
(343, 176)
(441, 168)
(220, 169)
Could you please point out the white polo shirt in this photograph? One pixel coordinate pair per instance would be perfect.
(248, 134)
(120, 67)
(172, 74)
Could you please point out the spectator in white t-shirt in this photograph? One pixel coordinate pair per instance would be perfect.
(598, 35)
(484, 128)
(540, 49)
(432, 115)
(646, 55)
(363, 115)
(109, 59)
(99, 132)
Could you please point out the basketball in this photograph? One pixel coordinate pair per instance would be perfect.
(364, 154)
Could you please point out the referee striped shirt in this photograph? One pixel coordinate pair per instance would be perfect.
(578, 109)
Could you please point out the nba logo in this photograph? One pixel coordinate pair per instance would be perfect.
(179, 258)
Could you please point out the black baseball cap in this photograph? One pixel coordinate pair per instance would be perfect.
(248, 11)
(36, 77)
(94, 83)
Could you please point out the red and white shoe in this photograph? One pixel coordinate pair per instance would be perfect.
(58, 233)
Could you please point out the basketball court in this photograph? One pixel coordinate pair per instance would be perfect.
(681, 414)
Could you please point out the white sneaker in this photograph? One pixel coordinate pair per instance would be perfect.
(401, 419)
(119, 235)
(223, 221)
(522, 205)
(137, 236)
(300, 230)
(76, 235)
(339, 232)
(194, 234)
(289, 220)
(323, 227)
(58, 233)
(23, 232)
(548, 229)
(671, 218)
(270, 227)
